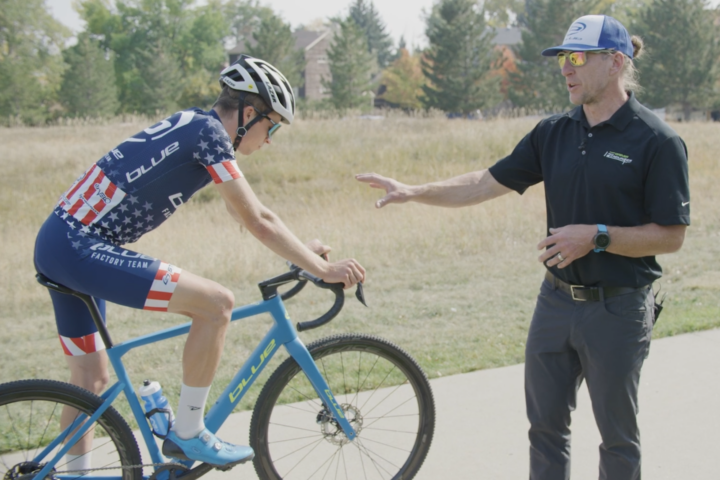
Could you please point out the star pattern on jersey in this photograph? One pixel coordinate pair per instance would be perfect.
(214, 144)
(123, 225)
(82, 237)
(139, 211)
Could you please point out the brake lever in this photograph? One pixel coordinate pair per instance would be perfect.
(360, 293)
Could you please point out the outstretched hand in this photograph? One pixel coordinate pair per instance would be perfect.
(395, 191)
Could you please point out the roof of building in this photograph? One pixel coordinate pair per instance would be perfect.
(507, 36)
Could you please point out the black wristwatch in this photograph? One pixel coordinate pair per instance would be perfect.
(601, 239)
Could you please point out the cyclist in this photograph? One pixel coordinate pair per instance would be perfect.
(133, 189)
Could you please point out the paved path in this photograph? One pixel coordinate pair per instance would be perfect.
(481, 424)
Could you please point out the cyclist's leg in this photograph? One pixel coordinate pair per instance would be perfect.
(87, 264)
(85, 356)
(90, 372)
(82, 262)
(209, 305)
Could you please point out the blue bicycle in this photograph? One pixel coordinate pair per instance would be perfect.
(344, 407)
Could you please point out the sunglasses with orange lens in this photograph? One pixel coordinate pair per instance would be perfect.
(577, 59)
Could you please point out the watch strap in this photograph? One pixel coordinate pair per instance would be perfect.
(601, 229)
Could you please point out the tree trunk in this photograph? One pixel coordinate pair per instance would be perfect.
(687, 111)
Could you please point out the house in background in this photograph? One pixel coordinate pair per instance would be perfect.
(505, 39)
(315, 43)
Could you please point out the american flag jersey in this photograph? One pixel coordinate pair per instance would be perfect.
(140, 183)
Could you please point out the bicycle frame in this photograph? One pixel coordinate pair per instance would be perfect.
(281, 333)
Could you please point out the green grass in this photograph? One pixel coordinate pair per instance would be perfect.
(454, 287)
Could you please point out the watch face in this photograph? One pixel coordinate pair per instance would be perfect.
(602, 240)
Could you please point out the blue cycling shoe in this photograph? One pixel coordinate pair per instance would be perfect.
(206, 448)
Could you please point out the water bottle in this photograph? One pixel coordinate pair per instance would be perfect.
(157, 408)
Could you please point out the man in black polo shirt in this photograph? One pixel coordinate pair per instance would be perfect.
(616, 184)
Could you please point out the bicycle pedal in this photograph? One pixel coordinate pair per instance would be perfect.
(225, 468)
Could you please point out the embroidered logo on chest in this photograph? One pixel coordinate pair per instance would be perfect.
(618, 156)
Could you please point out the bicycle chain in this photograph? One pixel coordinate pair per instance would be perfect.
(124, 467)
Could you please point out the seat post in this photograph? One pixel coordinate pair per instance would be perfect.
(88, 300)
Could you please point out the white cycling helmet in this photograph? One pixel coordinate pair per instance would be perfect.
(252, 75)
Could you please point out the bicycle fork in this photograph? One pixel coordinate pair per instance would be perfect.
(302, 356)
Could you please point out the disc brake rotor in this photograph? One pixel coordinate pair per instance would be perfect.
(331, 429)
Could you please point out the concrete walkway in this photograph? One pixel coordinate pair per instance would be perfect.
(481, 430)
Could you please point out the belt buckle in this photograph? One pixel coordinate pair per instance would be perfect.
(572, 292)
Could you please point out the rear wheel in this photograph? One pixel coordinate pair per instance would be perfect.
(383, 393)
(30, 420)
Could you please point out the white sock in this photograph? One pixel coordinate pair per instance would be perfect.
(191, 410)
(78, 462)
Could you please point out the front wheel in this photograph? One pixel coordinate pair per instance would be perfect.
(30, 413)
(384, 394)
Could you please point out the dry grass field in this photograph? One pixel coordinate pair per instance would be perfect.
(455, 287)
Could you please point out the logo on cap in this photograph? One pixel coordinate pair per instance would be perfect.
(576, 27)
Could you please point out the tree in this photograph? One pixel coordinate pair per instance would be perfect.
(158, 72)
(30, 62)
(502, 13)
(274, 43)
(185, 41)
(460, 58)
(368, 20)
(626, 11)
(243, 17)
(403, 81)
(682, 62)
(88, 85)
(351, 66)
(538, 82)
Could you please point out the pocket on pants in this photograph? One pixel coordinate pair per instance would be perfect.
(633, 311)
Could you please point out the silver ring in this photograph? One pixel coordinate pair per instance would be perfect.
(560, 257)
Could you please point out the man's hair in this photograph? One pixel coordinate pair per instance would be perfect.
(629, 72)
(229, 100)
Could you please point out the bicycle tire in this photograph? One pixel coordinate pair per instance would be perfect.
(30, 420)
(388, 401)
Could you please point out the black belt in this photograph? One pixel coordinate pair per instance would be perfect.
(581, 293)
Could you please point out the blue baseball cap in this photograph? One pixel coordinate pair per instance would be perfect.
(594, 32)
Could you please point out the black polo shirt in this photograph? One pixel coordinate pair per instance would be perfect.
(627, 171)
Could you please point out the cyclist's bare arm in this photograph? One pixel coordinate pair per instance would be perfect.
(267, 227)
(467, 189)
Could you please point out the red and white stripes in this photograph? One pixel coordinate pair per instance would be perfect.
(74, 347)
(91, 197)
(162, 288)
(224, 171)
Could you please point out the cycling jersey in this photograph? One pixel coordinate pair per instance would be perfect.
(127, 193)
(141, 182)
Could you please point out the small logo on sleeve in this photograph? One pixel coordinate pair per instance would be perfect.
(685, 204)
(618, 156)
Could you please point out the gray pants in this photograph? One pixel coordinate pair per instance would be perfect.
(604, 343)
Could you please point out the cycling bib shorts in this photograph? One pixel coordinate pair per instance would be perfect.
(102, 270)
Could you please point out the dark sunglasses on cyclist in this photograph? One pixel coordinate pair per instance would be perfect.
(275, 125)
(577, 59)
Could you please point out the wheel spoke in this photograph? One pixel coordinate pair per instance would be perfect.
(387, 400)
(33, 407)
